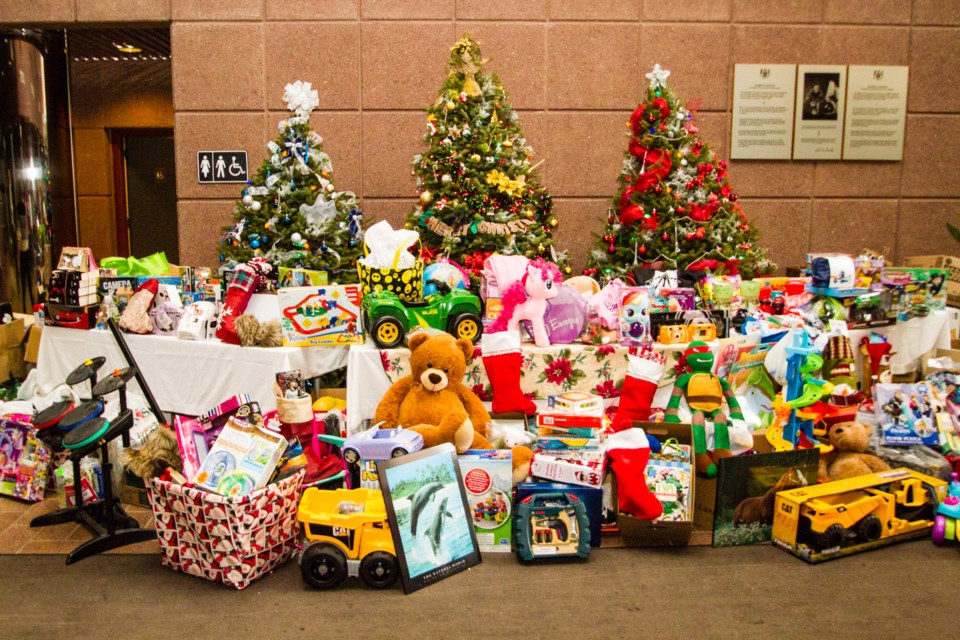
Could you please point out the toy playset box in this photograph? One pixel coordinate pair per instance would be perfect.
(24, 461)
(488, 479)
(840, 518)
(242, 459)
(676, 532)
(326, 316)
(228, 540)
(950, 264)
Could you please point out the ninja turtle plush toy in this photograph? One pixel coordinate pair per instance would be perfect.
(705, 394)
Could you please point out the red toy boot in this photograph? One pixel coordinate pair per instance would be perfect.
(502, 359)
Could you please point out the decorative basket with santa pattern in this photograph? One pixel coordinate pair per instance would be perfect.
(228, 540)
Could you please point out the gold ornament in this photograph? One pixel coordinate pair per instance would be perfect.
(507, 143)
(451, 105)
(426, 197)
(475, 157)
(540, 248)
(553, 222)
(529, 214)
(567, 270)
(495, 119)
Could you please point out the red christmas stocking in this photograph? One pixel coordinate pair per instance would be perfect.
(639, 387)
(629, 452)
(501, 359)
(244, 283)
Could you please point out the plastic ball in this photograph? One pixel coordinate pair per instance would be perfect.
(426, 197)
(255, 206)
(553, 222)
(642, 250)
(475, 157)
(451, 105)
(296, 237)
(665, 237)
(447, 272)
(446, 178)
(248, 200)
(286, 219)
(255, 244)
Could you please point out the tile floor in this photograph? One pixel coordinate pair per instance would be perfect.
(17, 537)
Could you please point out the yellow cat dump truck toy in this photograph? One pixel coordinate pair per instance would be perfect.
(843, 517)
(346, 533)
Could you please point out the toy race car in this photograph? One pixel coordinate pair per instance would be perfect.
(347, 533)
(380, 444)
(387, 318)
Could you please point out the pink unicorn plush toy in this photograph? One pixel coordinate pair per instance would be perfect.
(527, 298)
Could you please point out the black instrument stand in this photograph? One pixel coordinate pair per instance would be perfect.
(106, 518)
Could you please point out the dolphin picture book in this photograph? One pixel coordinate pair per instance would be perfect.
(429, 515)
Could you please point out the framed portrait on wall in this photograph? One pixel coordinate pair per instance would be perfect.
(426, 503)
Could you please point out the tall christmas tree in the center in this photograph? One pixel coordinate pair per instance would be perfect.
(478, 192)
(674, 206)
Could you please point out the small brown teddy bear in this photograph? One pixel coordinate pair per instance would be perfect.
(848, 460)
(434, 401)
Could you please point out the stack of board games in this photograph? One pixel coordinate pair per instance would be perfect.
(572, 420)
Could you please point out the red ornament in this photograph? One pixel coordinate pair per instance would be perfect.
(650, 221)
(658, 189)
(699, 233)
(665, 237)
(612, 249)
(631, 215)
(732, 197)
(661, 105)
(642, 250)
(651, 119)
(688, 236)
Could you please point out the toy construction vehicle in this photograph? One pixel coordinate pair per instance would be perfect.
(551, 525)
(841, 517)
(347, 533)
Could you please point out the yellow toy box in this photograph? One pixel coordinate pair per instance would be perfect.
(844, 517)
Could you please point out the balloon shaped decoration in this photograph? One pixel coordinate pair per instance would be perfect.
(565, 317)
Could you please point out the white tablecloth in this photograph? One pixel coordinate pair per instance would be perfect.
(367, 381)
(185, 376)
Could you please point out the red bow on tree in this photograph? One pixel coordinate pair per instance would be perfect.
(656, 165)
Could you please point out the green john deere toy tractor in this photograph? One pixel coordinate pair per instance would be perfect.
(387, 318)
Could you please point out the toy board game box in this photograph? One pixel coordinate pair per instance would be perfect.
(488, 479)
(290, 277)
(321, 316)
(950, 264)
(241, 460)
(572, 466)
(905, 414)
(840, 518)
(577, 403)
(589, 496)
(24, 461)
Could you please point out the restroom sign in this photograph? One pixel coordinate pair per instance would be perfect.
(221, 166)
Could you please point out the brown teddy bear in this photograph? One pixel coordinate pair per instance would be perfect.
(848, 460)
(434, 401)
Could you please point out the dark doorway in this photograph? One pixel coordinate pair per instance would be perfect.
(145, 192)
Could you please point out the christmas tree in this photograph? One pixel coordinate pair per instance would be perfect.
(674, 204)
(478, 192)
(290, 213)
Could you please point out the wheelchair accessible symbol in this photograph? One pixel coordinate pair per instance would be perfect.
(221, 166)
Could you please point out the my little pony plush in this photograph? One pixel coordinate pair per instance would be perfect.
(527, 298)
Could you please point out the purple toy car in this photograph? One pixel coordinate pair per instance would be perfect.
(379, 444)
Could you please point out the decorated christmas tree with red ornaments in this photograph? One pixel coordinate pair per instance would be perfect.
(478, 192)
(674, 207)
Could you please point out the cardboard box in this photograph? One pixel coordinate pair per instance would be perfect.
(840, 518)
(952, 266)
(488, 480)
(32, 353)
(12, 364)
(644, 533)
(321, 316)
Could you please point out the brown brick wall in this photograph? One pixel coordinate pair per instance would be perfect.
(574, 70)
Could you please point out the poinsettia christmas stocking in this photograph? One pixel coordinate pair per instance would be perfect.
(502, 359)
(628, 452)
(639, 387)
(244, 283)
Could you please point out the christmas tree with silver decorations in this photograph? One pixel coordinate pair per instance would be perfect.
(290, 213)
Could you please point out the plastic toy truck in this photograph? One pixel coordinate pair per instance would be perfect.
(388, 318)
(346, 534)
(846, 516)
(948, 514)
(551, 525)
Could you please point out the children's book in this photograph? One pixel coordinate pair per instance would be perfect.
(906, 414)
(668, 477)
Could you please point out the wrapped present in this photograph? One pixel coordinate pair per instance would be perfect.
(233, 541)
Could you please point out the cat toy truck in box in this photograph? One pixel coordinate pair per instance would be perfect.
(948, 514)
(840, 518)
(551, 525)
(347, 534)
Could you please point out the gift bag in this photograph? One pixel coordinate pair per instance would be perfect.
(229, 540)
(406, 283)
